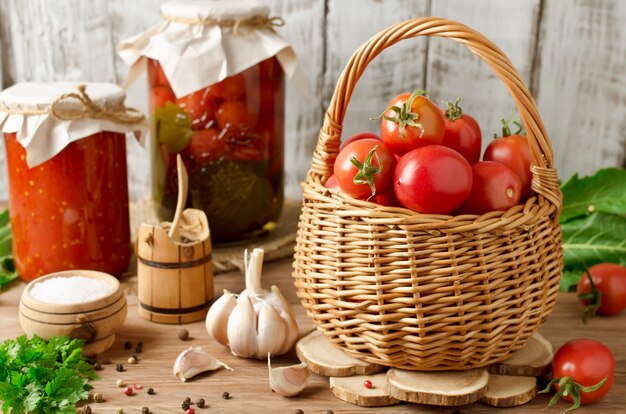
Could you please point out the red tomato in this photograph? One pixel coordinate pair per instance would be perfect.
(375, 174)
(462, 132)
(236, 116)
(231, 89)
(160, 95)
(514, 152)
(387, 198)
(156, 76)
(358, 136)
(331, 182)
(400, 130)
(433, 180)
(494, 188)
(200, 106)
(586, 362)
(252, 147)
(206, 145)
(610, 279)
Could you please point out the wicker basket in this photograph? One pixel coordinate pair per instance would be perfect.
(420, 291)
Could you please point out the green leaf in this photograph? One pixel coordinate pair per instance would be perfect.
(596, 238)
(7, 270)
(570, 279)
(173, 127)
(603, 192)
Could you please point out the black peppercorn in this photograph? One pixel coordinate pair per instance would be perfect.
(140, 344)
(200, 402)
(150, 391)
(138, 350)
(128, 344)
(119, 367)
(97, 366)
(145, 410)
(184, 405)
(298, 411)
(329, 412)
(226, 395)
(85, 410)
(183, 334)
(188, 400)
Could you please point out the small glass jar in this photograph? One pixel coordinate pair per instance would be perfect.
(71, 210)
(231, 138)
(216, 73)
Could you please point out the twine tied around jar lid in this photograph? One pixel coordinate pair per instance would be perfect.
(88, 109)
(240, 27)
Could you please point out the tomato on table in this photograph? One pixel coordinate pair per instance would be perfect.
(462, 132)
(200, 106)
(583, 371)
(513, 151)
(364, 168)
(433, 180)
(609, 294)
(494, 188)
(411, 121)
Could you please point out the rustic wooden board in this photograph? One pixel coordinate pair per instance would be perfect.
(248, 384)
(582, 95)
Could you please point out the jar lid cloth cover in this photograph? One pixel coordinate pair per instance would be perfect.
(48, 116)
(236, 35)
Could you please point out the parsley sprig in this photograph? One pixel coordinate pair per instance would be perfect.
(43, 377)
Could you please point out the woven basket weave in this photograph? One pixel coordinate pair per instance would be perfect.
(421, 291)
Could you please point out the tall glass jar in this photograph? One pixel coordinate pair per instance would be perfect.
(217, 98)
(68, 201)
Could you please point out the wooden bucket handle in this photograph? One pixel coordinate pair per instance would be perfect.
(545, 180)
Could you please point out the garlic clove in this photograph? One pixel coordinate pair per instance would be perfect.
(286, 312)
(288, 381)
(194, 361)
(217, 317)
(242, 328)
(271, 331)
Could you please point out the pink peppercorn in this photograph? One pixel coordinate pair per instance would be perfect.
(128, 391)
(367, 384)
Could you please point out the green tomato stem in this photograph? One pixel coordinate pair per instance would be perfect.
(366, 170)
(569, 387)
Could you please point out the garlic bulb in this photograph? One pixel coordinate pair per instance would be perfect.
(257, 321)
(288, 381)
(194, 361)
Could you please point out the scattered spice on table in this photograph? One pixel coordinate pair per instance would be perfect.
(200, 403)
(138, 386)
(184, 405)
(187, 400)
(85, 410)
(97, 366)
(226, 395)
(150, 391)
(298, 411)
(119, 411)
(97, 397)
(128, 345)
(138, 350)
(329, 412)
(120, 382)
(367, 384)
(145, 410)
(132, 360)
(119, 368)
(183, 334)
(128, 391)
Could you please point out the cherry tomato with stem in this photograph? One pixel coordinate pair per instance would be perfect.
(494, 188)
(433, 180)
(602, 289)
(513, 151)
(411, 121)
(583, 371)
(462, 132)
(364, 168)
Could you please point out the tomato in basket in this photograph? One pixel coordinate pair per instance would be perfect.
(494, 188)
(358, 136)
(433, 180)
(411, 121)
(365, 168)
(513, 151)
(462, 132)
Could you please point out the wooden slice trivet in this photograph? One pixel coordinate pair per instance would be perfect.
(509, 391)
(533, 360)
(352, 390)
(323, 358)
(447, 388)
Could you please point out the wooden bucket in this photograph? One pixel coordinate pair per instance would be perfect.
(175, 279)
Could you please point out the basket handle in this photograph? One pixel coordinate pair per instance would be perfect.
(545, 180)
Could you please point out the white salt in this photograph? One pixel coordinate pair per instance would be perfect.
(69, 290)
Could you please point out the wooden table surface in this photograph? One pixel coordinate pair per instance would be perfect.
(248, 384)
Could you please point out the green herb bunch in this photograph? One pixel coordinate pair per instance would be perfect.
(43, 377)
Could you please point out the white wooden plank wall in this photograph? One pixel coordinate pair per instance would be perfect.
(572, 54)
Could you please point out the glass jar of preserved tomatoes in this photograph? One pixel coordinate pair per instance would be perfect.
(216, 73)
(68, 192)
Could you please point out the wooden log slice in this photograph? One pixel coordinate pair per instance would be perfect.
(509, 391)
(533, 360)
(323, 358)
(352, 390)
(448, 388)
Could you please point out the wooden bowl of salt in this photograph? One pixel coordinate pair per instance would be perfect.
(76, 303)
